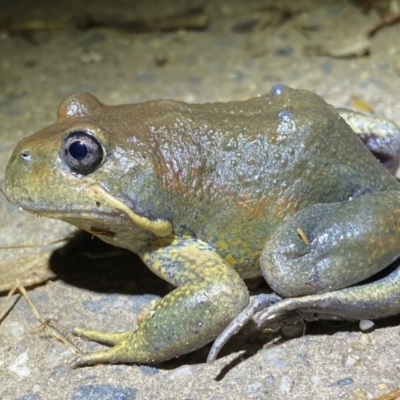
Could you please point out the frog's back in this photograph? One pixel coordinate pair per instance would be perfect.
(234, 170)
(270, 155)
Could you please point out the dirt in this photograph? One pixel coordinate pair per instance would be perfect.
(243, 50)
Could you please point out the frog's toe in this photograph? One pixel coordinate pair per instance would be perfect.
(127, 347)
(307, 308)
(276, 311)
(102, 337)
(112, 355)
(257, 304)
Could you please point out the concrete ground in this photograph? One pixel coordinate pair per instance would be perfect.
(240, 50)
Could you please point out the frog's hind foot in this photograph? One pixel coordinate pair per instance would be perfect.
(374, 300)
(379, 299)
(257, 304)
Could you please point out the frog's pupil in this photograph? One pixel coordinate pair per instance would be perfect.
(78, 150)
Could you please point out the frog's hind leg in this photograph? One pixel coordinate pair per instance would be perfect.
(381, 136)
(339, 245)
(315, 257)
(370, 301)
(327, 247)
(375, 300)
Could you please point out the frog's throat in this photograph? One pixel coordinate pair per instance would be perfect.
(158, 227)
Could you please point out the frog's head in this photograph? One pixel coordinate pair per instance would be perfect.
(84, 169)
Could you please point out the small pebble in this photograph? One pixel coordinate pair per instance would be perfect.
(269, 380)
(253, 390)
(59, 372)
(105, 392)
(55, 354)
(366, 324)
(276, 357)
(365, 339)
(19, 366)
(286, 384)
(90, 57)
(185, 371)
(315, 379)
(147, 370)
(342, 382)
(290, 331)
(351, 360)
(16, 328)
(29, 397)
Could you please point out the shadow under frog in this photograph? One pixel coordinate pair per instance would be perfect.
(209, 195)
(89, 263)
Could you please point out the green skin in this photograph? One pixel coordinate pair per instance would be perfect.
(211, 194)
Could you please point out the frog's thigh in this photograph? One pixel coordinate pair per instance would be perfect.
(381, 136)
(209, 296)
(348, 242)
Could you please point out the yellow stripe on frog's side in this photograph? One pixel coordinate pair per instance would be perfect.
(159, 227)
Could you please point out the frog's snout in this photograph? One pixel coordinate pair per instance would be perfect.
(28, 172)
(15, 171)
(22, 155)
(25, 155)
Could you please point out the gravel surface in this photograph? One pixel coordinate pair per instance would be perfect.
(225, 61)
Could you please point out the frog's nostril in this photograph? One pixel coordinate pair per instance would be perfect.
(26, 155)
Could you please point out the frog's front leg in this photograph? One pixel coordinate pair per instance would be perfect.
(317, 253)
(209, 295)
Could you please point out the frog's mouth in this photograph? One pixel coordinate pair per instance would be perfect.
(114, 211)
(85, 215)
(67, 215)
(158, 227)
(122, 212)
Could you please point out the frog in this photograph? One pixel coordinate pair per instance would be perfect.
(210, 195)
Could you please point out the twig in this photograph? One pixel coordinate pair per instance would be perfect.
(44, 324)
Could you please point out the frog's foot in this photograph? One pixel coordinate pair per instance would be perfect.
(122, 342)
(375, 300)
(257, 304)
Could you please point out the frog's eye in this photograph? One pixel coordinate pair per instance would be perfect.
(82, 152)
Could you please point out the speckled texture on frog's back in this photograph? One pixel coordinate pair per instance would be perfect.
(233, 171)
